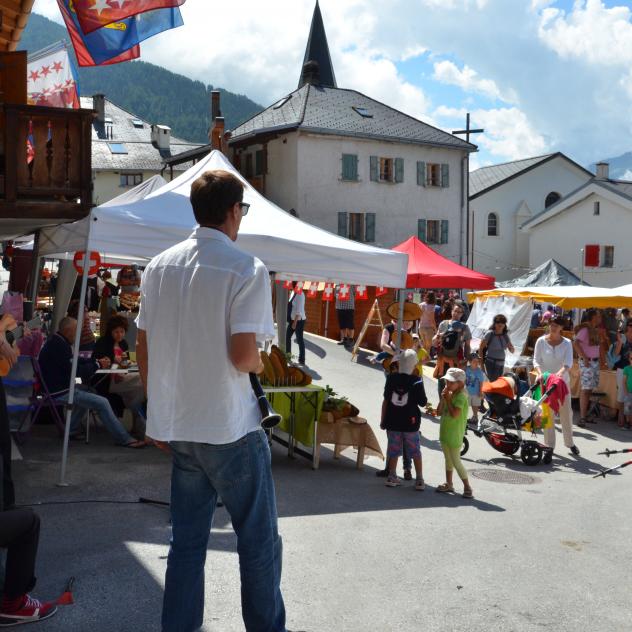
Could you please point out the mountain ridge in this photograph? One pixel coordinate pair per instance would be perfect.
(146, 89)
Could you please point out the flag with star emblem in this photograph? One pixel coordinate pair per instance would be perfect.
(95, 14)
(51, 78)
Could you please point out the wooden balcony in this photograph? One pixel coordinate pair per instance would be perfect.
(57, 182)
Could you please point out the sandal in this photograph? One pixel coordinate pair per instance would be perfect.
(444, 488)
(135, 445)
(468, 494)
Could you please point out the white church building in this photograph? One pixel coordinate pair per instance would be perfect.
(505, 197)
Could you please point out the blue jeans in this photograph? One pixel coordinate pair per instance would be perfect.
(240, 474)
(85, 401)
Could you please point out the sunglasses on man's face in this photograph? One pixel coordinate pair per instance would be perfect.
(244, 206)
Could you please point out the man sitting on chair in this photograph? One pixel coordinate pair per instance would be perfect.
(55, 360)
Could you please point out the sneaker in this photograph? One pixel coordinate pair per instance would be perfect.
(582, 422)
(29, 611)
(408, 475)
(420, 485)
(548, 456)
(575, 450)
(392, 481)
(382, 473)
(342, 342)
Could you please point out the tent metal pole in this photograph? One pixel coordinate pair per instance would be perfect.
(400, 320)
(73, 370)
(327, 319)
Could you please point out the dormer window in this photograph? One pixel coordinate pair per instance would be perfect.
(362, 111)
(138, 124)
(281, 102)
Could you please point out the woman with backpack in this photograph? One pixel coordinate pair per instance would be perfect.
(494, 346)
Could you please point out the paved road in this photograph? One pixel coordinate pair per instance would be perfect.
(551, 553)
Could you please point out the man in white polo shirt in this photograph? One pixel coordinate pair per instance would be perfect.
(204, 306)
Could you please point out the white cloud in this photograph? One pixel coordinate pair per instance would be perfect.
(627, 175)
(468, 80)
(508, 134)
(591, 32)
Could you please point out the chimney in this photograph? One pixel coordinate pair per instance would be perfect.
(215, 109)
(98, 104)
(603, 171)
(161, 137)
(311, 73)
(217, 134)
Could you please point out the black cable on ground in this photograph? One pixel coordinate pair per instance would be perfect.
(141, 500)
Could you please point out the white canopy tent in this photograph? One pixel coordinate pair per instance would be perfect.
(140, 229)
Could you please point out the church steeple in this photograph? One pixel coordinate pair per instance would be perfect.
(318, 51)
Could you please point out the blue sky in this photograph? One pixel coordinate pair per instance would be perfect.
(538, 75)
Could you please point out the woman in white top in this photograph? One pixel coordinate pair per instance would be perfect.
(554, 354)
(296, 323)
(427, 322)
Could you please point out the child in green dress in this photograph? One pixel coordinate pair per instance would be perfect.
(453, 410)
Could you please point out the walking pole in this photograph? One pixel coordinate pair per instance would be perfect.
(609, 452)
(612, 469)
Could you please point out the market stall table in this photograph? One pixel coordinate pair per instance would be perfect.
(299, 416)
(346, 432)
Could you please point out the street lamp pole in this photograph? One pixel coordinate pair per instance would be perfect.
(581, 254)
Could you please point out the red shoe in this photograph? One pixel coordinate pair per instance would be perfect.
(29, 610)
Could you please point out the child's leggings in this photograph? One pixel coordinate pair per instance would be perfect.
(453, 461)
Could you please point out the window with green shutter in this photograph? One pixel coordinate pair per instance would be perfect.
(421, 230)
(369, 227)
(445, 175)
(399, 169)
(421, 173)
(259, 163)
(444, 231)
(342, 224)
(349, 167)
(373, 168)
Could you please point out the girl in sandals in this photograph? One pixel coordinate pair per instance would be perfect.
(453, 410)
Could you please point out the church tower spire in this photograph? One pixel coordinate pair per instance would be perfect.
(317, 50)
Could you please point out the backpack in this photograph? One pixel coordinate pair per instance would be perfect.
(450, 341)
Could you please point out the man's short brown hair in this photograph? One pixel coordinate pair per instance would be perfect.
(213, 194)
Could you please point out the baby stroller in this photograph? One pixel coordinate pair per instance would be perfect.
(502, 424)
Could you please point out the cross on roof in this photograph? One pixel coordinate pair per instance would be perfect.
(468, 130)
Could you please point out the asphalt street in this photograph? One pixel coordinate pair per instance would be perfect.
(544, 547)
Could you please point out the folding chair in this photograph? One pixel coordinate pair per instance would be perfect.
(43, 398)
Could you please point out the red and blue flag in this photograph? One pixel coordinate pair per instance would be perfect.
(30, 145)
(95, 14)
(117, 41)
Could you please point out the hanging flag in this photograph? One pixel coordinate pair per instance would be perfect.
(361, 293)
(312, 290)
(49, 136)
(105, 46)
(95, 14)
(287, 285)
(298, 288)
(380, 290)
(328, 292)
(30, 145)
(343, 292)
(51, 79)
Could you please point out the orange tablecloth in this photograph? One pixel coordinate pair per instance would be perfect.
(343, 434)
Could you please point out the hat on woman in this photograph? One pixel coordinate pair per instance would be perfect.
(454, 375)
(412, 311)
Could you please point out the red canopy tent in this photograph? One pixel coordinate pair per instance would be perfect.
(428, 269)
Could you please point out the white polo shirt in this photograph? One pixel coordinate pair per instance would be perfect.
(194, 296)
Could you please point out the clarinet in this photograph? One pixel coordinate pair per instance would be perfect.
(269, 417)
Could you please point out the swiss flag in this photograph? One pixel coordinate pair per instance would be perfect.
(361, 293)
(288, 285)
(380, 290)
(328, 292)
(343, 292)
(312, 290)
(298, 288)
